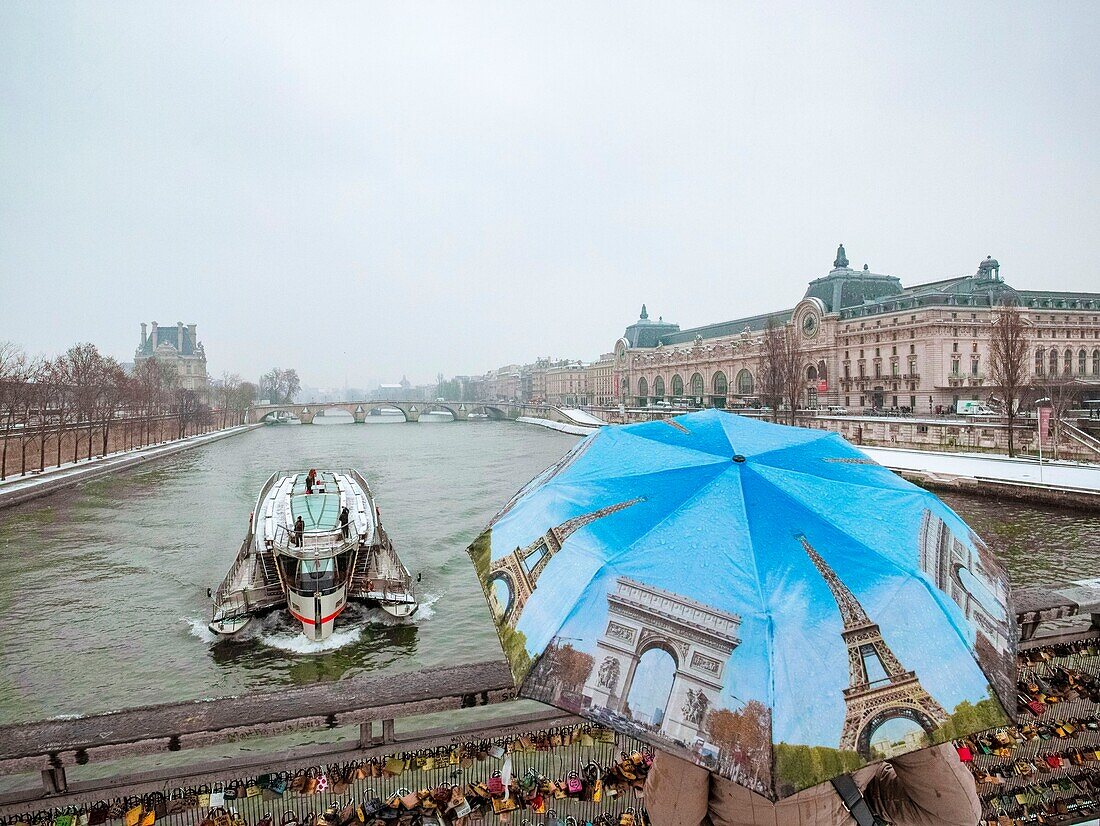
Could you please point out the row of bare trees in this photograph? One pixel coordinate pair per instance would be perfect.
(82, 398)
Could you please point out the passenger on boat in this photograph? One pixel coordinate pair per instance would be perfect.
(309, 481)
(344, 521)
(299, 529)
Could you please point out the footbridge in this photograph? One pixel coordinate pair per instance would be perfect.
(461, 411)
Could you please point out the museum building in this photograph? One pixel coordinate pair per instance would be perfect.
(867, 342)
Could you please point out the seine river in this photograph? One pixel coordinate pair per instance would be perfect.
(103, 597)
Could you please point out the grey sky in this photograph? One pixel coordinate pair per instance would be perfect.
(453, 186)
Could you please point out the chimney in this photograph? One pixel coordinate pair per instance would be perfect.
(153, 336)
(192, 335)
(143, 337)
(179, 336)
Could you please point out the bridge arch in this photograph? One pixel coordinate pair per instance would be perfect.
(335, 411)
(885, 715)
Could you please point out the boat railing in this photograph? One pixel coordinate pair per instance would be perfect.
(314, 543)
(226, 586)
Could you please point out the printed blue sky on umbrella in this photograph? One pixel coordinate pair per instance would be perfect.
(731, 545)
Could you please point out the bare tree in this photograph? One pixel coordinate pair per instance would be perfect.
(1009, 347)
(772, 380)
(114, 390)
(13, 376)
(31, 404)
(781, 369)
(243, 398)
(188, 410)
(792, 356)
(279, 385)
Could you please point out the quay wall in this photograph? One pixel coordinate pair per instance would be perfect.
(18, 489)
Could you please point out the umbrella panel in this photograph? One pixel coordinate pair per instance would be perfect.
(819, 611)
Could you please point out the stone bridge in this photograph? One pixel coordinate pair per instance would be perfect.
(412, 410)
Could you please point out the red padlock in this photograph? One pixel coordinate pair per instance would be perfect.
(495, 784)
(573, 784)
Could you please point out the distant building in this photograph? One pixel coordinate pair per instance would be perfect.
(177, 348)
(867, 341)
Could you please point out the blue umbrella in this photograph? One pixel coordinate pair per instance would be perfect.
(764, 600)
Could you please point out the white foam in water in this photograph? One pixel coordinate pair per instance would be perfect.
(426, 611)
(299, 644)
(199, 629)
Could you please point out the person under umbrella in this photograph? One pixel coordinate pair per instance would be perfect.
(931, 787)
(816, 614)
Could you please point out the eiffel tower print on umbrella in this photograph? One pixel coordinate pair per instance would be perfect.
(765, 601)
(870, 703)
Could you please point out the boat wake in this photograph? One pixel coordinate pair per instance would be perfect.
(299, 644)
(198, 629)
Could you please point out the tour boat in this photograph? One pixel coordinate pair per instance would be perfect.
(316, 570)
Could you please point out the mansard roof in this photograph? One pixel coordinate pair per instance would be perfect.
(753, 324)
(859, 293)
(167, 335)
(645, 332)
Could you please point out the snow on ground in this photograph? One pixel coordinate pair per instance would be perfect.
(583, 417)
(572, 429)
(993, 468)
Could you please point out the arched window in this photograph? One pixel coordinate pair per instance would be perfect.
(1039, 362)
(1082, 363)
(822, 372)
(811, 373)
(1053, 361)
(1096, 362)
(677, 386)
(744, 383)
(659, 388)
(721, 386)
(697, 386)
(626, 389)
(1067, 362)
(643, 391)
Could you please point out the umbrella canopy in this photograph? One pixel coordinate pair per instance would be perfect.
(764, 600)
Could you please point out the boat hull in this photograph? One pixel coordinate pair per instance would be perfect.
(317, 612)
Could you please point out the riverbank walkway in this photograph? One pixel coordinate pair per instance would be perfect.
(1072, 484)
(16, 489)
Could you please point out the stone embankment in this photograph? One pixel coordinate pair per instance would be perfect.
(23, 488)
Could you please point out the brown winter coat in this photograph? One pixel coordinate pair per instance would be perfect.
(926, 788)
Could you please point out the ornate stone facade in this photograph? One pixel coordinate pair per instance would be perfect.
(177, 348)
(868, 342)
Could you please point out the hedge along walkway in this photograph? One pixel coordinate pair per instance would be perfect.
(16, 489)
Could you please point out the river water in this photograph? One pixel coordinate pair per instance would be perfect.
(103, 595)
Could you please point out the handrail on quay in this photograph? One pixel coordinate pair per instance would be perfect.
(1045, 615)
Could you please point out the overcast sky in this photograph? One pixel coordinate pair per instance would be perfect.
(375, 189)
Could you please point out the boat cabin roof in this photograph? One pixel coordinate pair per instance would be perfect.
(319, 511)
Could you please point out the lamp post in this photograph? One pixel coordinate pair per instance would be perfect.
(1039, 405)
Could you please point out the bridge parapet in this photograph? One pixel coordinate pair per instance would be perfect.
(360, 410)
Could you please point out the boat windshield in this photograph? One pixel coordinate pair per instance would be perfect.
(316, 575)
